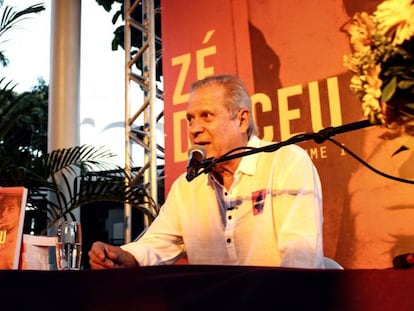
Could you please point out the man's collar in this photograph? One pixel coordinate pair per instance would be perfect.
(248, 163)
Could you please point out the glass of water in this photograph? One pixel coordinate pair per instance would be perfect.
(69, 245)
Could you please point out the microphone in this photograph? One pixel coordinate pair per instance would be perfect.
(196, 154)
(403, 261)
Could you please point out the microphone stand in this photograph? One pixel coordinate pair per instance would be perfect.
(319, 137)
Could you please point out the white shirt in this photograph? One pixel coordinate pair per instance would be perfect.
(271, 216)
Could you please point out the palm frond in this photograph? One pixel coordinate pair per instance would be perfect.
(10, 17)
(85, 157)
(70, 179)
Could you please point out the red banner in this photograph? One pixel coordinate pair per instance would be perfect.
(290, 54)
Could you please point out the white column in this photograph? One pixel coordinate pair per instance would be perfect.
(63, 124)
(63, 131)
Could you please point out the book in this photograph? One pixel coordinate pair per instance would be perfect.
(12, 211)
(35, 253)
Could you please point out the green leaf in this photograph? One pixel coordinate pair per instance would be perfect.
(405, 84)
(388, 90)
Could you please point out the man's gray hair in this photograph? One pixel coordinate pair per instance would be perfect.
(237, 97)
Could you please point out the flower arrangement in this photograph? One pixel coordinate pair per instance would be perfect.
(382, 63)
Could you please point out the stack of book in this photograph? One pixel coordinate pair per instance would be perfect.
(37, 252)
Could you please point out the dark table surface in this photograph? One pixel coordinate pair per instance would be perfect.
(189, 287)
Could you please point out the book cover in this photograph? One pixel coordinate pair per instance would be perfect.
(12, 210)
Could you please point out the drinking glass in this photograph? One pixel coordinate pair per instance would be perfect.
(69, 245)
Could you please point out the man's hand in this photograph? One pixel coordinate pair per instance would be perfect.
(106, 256)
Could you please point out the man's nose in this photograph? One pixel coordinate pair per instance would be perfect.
(195, 127)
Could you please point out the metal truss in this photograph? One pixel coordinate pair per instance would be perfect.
(144, 134)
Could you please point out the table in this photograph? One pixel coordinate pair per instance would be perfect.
(189, 287)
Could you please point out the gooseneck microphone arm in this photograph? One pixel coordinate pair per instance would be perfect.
(319, 137)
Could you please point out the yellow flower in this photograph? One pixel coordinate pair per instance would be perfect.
(356, 84)
(374, 83)
(360, 29)
(371, 108)
(396, 19)
(382, 62)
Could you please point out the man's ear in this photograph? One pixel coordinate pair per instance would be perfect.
(243, 117)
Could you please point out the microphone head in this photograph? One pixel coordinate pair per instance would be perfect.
(198, 151)
(196, 155)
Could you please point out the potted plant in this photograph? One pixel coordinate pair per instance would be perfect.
(60, 183)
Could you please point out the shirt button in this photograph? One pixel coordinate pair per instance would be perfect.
(228, 240)
(225, 193)
(229, 217)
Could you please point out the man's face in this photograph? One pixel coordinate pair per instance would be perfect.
(9, 212)
(210, 124)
